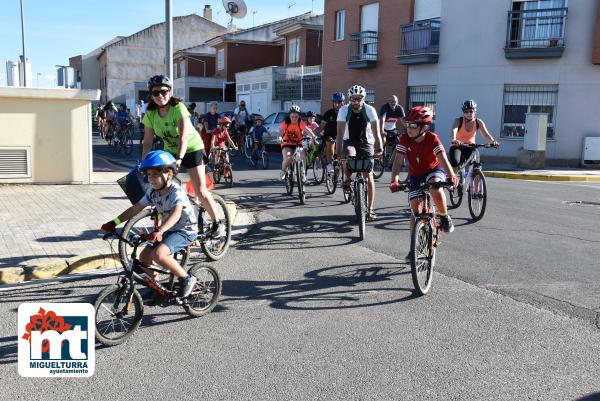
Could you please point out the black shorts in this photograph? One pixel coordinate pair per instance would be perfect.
(194, 159)
(363, 150)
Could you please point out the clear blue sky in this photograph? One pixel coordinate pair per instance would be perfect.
(57, 30)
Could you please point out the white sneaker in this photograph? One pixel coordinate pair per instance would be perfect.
(282, 175)
(329, 168)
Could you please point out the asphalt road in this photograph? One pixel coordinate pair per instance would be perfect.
(308, 312)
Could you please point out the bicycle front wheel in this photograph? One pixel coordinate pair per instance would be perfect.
(360, 207)
(422, 257)
(215, 248)
(318, 170)
(477, 196)
(347, 194)
(205, 294)
(128, 142)
(228, 176)
(289, 181)
(117, 316)
(265, 159)
(300, 180)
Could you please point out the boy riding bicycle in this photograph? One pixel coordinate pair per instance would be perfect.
(258, 132)
(177, 225)
(427, 162)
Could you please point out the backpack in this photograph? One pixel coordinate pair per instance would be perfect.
(460, 123)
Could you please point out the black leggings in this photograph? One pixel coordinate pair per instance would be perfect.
(461, 155)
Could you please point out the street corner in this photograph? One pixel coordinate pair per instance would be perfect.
(543, 177)
(57, 268)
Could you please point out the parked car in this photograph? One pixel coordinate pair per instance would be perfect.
(274, 120)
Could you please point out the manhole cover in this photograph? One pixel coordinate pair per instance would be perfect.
(581, 203)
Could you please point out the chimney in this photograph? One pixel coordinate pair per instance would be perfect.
(208, 12)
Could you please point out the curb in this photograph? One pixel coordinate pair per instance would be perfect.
(79, 264)
(56, 268)
(541, 177)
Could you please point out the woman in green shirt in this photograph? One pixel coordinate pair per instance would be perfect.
(168, 118)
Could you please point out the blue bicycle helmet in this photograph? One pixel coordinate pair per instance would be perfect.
(158, 159)
(338, 97)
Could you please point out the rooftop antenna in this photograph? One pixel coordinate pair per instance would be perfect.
(235, 9)
(290, 5)
(253, 14)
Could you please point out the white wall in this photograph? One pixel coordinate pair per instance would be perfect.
(472, 64)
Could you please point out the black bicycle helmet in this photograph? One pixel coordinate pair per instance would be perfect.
(159, 80)
(310, 114)
(469, 105)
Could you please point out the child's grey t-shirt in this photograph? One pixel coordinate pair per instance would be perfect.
(167, 202)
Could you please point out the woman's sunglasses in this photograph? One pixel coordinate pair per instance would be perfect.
(412, 125)
(163, 92)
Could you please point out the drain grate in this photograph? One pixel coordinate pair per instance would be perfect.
(581, 203)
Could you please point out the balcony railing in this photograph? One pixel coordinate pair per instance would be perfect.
(420, 42)
(362, 52)
(536, 33)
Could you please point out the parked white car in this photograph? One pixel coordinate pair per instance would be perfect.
(272, 123)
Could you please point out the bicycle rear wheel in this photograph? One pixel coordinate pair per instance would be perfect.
(455, 195)
(347, 194)
(422, 257)
(117, 318)
(265, 159)
(143, 223)
(300, 181)
(206, 292)
(360, 207)
(331, 179)
(378, 168)
(477, 196)
(215, 248)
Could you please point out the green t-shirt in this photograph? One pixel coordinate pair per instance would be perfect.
(166, 128)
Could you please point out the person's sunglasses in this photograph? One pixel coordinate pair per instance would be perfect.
(355, 99)
(469, 111)
(163, 92)
(412, 125)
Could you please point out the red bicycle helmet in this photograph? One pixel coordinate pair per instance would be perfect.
(224, 120)
(419, 115)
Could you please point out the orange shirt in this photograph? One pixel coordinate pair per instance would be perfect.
(467, 136)
(292, 134)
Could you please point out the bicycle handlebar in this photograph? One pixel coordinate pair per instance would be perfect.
(479, 145)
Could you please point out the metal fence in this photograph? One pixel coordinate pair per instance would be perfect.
(522, 99)
(420, 37)
(536, 28)
(363, 46)
(423, 96)
(300, 87)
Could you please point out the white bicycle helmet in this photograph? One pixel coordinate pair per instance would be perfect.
(357, 90)
(294, 109)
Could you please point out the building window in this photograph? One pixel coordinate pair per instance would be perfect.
(294, 52)
(340, 23)
(263, 85)
(423, 96)
(370, 98)
(537, 23)
(221, 59)
(182, 69)
(522, 99)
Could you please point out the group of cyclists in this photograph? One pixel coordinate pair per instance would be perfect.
(347, 130)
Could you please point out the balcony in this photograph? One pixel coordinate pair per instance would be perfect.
(536, 33)
(419, 42)
(362, 52)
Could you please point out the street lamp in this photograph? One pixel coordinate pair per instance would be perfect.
(23, 39)
(38, 79)
(169, 38)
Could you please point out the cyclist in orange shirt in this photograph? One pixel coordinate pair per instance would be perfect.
(464, 132)
(292, 131)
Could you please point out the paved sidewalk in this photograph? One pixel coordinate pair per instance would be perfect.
(50, 230)
(509, 171)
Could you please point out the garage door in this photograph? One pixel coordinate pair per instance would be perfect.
(259, 103)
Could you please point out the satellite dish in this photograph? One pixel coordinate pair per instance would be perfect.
(235, 8)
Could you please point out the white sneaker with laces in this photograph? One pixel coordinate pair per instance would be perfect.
(329, 168)
(282, 175)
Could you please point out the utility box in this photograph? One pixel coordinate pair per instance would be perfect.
(536, 127)
(591, 151)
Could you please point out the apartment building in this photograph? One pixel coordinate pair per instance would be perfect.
(515, 58)
(360, 43)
